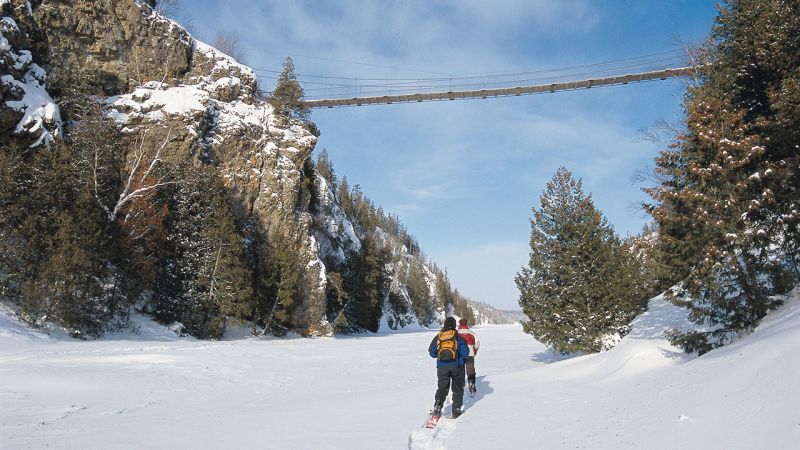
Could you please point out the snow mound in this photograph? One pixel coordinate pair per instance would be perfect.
(13, 331)
(143, 328)
(644, 349)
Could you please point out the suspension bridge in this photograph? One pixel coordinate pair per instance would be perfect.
(502, 92)
(587, 83)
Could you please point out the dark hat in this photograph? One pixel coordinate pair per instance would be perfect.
(450, 323)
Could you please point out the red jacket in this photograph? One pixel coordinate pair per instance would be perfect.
(470, 338)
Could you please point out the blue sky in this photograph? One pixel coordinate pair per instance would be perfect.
(464, 175)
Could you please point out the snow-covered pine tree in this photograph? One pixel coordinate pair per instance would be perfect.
(727, 206)
(576, 290)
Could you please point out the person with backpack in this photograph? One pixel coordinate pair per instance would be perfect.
(450, 351)
(474, 344)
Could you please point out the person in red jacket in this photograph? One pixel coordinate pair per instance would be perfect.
(474, 344)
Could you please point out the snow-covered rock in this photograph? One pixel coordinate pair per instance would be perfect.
(26, 108)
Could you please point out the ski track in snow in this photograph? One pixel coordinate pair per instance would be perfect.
(434, 438)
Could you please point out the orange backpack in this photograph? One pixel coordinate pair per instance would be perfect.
(447, 345)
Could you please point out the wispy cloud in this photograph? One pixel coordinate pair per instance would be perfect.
(410, 37)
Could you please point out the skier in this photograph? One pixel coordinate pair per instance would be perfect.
(450, 351)
(474, 344)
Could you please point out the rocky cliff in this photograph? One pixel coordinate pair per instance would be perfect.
(159, 82)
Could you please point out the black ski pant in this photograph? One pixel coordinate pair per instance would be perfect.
(469, 363)
(450, 374)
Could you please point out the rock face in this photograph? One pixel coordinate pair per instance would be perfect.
(161, 83)
(116, 42)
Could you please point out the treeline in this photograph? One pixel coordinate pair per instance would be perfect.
(488, 314)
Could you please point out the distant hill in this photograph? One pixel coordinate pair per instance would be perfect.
(487, 314)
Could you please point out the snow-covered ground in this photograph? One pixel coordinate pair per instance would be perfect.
(153, 390)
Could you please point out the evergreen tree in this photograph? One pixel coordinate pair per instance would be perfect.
(367, 285)
(343, 194)
(325, 168)
(418, 290)
(205, 280)
(287, 293)
(336, 296)
(277, 304)
(18, 253)
(444, 293)
(644, 249)
(727, 208)
(66, 288)
(462, 308)
(287, 98)
(574, 290)
(308, 198)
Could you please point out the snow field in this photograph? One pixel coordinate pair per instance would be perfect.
(373, 392)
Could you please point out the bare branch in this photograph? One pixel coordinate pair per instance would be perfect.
(96, 178)
(136, 178)
(230, 44)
